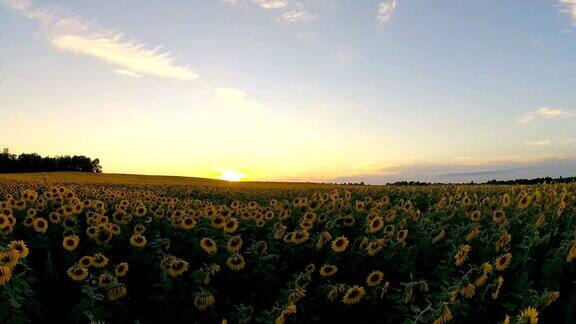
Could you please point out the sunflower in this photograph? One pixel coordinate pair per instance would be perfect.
(348, 220)
(236, 262)
(32, 212)
(498, 216)
(374, 247)
(138, 240)
(550, 297)
(208, 245)
(234, 244)
(29, 221)
(280, 231)
(506, 200)
(390, 230)
(9, 258)
(374, 278)
(114, 229)
(177, 267)
(99, 260)
(70, 242)
(468, 291)
(475, 216)
(218, 222)
(139, 229)
(401, 237)
(188, 223)
(503, 261)
(328, 270)
(4, 222)
(40, 225)
(117, 292)
(306, 225)
(444, 317)
(473, 234)
(439, 237)
(300, 237)
(86, 261)
(462, 255)
(524, 202)
(390, 216)
(353, 295)
(69, 222)
(77, 273)
(20, 248)
(499, 283)
(504, 241)
(105, 280)
(340, 244)
(121, 269)
(5, 275)
(231, 226)
(528, 315)
(323, 238)
(91, 232)
(310, 268)
(376, 224)
(203, 302)
(140, 211)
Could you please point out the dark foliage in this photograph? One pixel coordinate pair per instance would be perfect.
(32, 162)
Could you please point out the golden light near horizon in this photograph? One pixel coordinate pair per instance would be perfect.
(231, 175)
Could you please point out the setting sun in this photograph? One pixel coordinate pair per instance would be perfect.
(231, 175)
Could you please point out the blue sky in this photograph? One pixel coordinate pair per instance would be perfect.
(317, 90)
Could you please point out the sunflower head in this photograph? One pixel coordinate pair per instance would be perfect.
(374, 278)
(353, 295)
(328, 270)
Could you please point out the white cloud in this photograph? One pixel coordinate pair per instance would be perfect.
(569, 7)
(235, 99)
(545, 142)
(295, 16)
(385, 10)
(127, 73)
(561, 141)
(233, 2)
(545, 113)
(566, 141)
(286, 12)
(271, 4)
(75, 34)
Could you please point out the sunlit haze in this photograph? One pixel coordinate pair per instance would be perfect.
(294, 90)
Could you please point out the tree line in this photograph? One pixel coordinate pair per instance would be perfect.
(32, 162)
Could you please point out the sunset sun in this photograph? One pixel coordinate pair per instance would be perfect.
(231, 175)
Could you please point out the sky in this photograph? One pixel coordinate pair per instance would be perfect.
(294, 90)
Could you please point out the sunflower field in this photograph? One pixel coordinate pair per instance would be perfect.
(76, 252)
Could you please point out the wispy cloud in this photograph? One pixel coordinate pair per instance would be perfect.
(545, 142)
(235, 99)
(271, 4)
(545, 113)
(75, 34)
(127, 73)
(296, 16)
(565, 141)
(568, 7)
(286, 12)
(385, 10)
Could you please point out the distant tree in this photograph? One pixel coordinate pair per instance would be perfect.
(32, 162)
